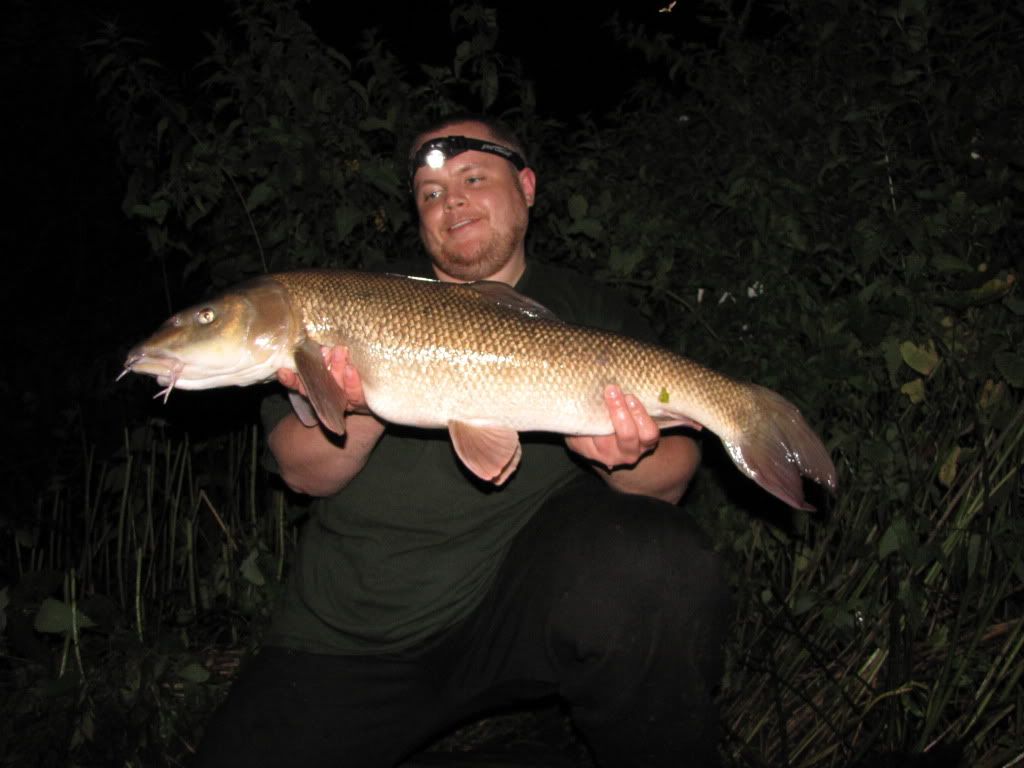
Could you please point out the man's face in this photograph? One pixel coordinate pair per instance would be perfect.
(473, 210)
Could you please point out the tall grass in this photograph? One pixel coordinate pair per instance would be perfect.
(152, 570)
(863, 639)
(148, 574)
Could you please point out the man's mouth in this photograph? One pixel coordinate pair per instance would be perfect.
(461, 224)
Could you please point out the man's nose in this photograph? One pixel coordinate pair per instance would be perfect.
(454, 200)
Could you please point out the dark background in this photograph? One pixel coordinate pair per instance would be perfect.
(77, 289)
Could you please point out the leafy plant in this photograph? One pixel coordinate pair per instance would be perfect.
(824, 198)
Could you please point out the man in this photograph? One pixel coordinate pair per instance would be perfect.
(422, 596)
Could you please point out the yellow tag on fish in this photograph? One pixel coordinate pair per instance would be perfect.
(663, 395)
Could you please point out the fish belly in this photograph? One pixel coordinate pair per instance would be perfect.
(434, 399)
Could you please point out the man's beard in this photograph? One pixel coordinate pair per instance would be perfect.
(485, 259)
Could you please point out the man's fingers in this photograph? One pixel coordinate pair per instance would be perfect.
(647, 431)
(289, 379)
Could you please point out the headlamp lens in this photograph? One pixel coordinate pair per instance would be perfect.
(436, 152)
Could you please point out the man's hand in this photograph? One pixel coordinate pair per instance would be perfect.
(346, 376)
(635, 434)
(636, 458)
(310, 460)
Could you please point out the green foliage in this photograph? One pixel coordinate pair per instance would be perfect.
(286, 154)
(824, 198)
(841, 201)
(281, 160)
(128, 620)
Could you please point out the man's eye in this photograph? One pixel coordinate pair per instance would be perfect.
(431, 194)
(474, 179)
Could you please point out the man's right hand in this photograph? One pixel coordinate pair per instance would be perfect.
(312, 462)
(343, 372)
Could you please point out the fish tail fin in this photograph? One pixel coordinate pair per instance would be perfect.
(777, 447)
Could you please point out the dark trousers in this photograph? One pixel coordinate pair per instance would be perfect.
(614, 602)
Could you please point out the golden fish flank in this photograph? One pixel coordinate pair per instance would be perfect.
(491, 363)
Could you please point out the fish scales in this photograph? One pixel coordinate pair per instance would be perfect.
(420, 342)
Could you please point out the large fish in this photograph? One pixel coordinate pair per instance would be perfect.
(477, 359)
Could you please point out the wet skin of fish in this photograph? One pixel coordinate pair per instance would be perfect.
(478, 359)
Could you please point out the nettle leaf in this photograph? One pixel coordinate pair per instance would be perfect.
(992, 394)
(155, 211)
(623, 261)
(1015, 304)
(947, 472)
(382, 176)
(893, 358)
(345, 220)
(589, 227)
(194, 673)
(261, 194)
(895, 538)
(250, 569)
(921, 359)
(945, 262)
(578, 207)
(55, 617)
(804, 602)
(914, 390)
(1011, 365)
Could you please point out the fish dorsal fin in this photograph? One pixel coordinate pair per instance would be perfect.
(326, 397)
(490, 453)
(503, 295)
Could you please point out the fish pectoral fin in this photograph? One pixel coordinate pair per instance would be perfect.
(326, 397)
(303, 409)
(490, 453)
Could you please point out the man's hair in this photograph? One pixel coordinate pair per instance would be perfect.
(497, 128)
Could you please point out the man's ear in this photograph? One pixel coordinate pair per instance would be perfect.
(528, 183)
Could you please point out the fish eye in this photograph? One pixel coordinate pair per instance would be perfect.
(206, 315)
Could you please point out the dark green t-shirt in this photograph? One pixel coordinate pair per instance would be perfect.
(412, 543)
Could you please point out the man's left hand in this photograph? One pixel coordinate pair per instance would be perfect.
(635, 434)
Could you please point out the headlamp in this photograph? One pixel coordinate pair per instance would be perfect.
(436, 152)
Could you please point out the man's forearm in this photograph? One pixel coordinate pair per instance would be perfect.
(316, 464)
(665, 473)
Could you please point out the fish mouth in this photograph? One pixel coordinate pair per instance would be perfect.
(164, 368)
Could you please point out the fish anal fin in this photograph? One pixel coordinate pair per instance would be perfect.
(666, 419)
(326, 397)
(490, 453)
(779, 448)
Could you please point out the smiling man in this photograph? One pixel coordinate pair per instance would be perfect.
(474, 207)
(422, 596)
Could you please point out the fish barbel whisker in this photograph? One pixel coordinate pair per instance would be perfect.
(173, 372)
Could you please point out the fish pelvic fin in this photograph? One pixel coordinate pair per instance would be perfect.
(303, 409)
(490, 453)
(777, 448)
(323, 392)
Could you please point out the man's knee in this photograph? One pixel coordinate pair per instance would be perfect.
(640, 567)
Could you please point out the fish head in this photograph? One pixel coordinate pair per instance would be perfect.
(238, 338)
